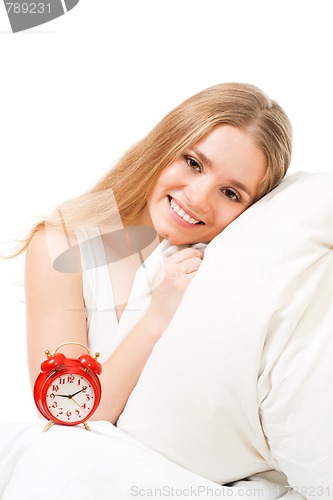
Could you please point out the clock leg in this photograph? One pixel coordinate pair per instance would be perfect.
(48, 425)
(86, 426)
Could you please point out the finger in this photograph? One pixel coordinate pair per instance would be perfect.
(186, 253)
(174, 271)
(190, 265)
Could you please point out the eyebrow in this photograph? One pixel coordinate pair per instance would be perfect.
(202, 157)
(233, 182)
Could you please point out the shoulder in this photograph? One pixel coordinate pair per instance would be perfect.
(44, 249)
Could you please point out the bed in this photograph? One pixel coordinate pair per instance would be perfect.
(235, 393)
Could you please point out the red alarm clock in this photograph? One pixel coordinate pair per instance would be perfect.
(68, 391)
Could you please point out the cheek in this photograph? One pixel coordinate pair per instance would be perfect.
(170, 179)
(228, 214)
(172, 175)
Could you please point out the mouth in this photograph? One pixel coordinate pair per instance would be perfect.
(182, 213)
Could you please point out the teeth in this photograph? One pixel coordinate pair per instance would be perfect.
(179, 211)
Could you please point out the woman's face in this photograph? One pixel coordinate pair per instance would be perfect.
(199, 194)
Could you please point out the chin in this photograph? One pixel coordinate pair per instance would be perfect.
(178, 240)
(173, 240)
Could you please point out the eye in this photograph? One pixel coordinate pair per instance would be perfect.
(193, 163)
(231, 194)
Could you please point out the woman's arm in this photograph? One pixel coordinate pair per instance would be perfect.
(56, 314)
(54, 306)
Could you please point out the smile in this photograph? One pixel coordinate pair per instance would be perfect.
(181, 213)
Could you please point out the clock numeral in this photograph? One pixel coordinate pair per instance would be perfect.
(55, 405)
(68, 413)
(78, 413)
(55, 388)
(66, 380)
(87, 397)
(84, 388)
(52, 395)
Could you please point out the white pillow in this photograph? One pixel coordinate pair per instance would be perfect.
(241, 380)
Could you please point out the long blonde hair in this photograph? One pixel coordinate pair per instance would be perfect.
(241, 105)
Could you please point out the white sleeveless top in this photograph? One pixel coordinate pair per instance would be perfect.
(104, 331)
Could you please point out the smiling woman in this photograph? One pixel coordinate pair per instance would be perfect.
(213, 182)
(108, 270)
(205, 163)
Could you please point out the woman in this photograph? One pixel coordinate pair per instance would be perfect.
(205, 163)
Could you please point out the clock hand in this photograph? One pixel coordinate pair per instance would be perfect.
(77, 404)
(75, 393)
(69, 395)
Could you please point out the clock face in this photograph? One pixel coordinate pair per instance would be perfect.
(70, 398)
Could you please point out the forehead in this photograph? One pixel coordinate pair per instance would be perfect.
(226, 136)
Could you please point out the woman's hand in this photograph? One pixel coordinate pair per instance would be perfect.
(171, 281)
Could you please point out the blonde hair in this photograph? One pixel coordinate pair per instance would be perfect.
(241, 105)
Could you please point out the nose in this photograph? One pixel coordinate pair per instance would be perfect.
(199, 196)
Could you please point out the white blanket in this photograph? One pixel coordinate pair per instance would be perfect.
(70, 463)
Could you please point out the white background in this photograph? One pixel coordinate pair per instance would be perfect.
(79, 90)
